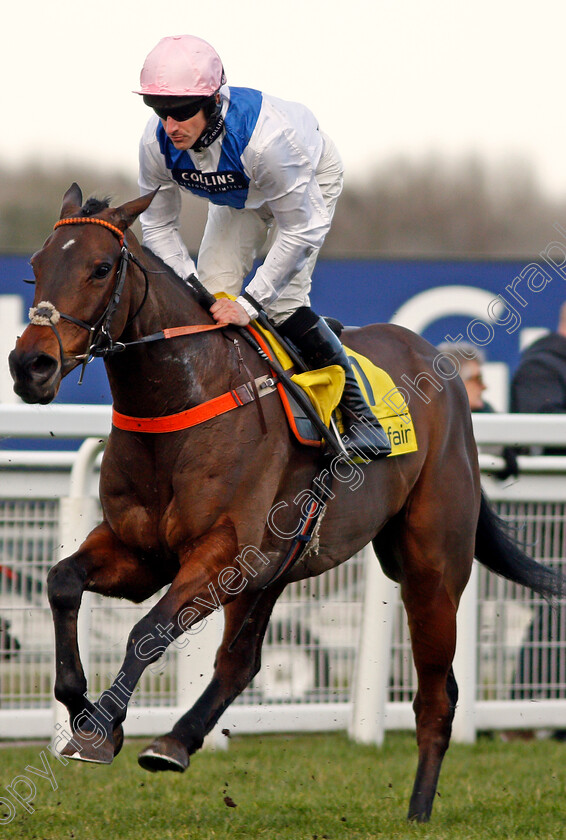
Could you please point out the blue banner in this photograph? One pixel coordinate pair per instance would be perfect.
(496, 304)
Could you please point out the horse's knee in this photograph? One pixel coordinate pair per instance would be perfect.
(65, 585)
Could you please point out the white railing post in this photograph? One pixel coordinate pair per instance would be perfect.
(76, 518)
(373, 662)
(465, 663)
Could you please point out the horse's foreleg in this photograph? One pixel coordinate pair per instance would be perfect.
(237, 662)
(102, 564)
(65, 587)
(194, 593)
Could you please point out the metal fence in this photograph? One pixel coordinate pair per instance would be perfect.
(319, 650)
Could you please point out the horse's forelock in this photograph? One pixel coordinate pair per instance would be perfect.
(92, 206)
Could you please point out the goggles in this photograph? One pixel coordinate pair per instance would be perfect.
(177, 108)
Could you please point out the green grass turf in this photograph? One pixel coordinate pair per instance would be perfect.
(295, 787)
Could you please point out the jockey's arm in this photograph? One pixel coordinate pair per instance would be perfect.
(285, 175)
(160, 226)
(160, 222)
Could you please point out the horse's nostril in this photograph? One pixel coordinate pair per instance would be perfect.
(43, 366)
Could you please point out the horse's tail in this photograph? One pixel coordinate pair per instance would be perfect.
(497, 550)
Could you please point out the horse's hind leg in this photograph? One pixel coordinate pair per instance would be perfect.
(237, 662)
(433, 636)
(437, 545)
(102, 564)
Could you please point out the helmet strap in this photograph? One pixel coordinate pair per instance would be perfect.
(214, 125)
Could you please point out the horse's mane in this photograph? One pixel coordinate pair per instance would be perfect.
(164, 268)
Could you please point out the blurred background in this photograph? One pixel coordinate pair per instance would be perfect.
(448, 117)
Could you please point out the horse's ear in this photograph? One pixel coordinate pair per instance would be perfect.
(128, 213)
(72, 201)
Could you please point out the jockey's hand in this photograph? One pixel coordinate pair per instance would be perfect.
(226, 311)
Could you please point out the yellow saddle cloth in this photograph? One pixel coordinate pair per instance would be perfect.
(324, 388)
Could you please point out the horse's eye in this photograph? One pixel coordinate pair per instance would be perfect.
(101, 271)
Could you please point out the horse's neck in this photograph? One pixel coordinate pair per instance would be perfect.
(169, 302)
(167, 375)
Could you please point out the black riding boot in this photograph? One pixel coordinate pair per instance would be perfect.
(319, 347)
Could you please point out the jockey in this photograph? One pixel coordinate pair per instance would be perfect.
(272, 179)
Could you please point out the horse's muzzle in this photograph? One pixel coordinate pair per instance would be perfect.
(36, 375)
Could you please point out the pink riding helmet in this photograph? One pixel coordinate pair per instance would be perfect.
(182, 65)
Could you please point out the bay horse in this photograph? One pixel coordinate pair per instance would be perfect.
(194, 508)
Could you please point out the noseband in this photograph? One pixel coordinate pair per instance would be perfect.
(100, 341)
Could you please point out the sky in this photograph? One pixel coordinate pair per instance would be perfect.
(385, 78)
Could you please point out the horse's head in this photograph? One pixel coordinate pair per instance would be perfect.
(77, 280)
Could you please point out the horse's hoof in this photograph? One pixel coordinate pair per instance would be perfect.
(82, 749)
(164, 753)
